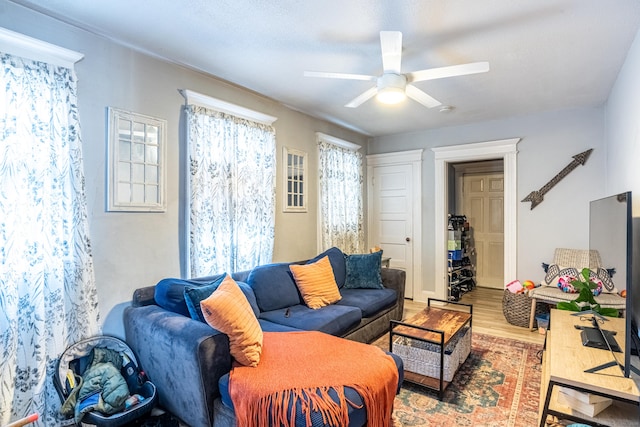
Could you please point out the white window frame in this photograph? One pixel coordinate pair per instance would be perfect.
(295, 186)
(120, 200)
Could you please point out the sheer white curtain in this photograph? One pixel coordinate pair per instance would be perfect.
(232, 170)
(341, 205)
(47, 289)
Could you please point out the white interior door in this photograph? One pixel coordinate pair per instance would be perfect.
(483, 204)
(392, 217)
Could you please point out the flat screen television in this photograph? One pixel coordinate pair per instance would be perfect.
(611, 233)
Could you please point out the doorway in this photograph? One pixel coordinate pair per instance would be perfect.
(500, 149)
(477, 192)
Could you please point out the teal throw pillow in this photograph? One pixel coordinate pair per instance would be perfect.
(363, 271)
(194, 294)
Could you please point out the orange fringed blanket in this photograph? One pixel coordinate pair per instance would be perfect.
(303, 367)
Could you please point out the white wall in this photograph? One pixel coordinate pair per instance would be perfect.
(548, 143)
(623, 129)
(138, 249)
(623, 148)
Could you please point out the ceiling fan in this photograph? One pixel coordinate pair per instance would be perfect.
(393, 86)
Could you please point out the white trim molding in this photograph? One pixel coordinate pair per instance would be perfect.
(206, 101)
(27, 47)
(400, 157)
(505, 149)
(337, 141)
(414, 159)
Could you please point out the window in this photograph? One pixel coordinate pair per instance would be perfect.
(136, 162)
(341, 188)
(48, 295)
(231, 170)
(295, 193)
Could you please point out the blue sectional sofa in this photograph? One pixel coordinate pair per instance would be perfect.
(187, 359)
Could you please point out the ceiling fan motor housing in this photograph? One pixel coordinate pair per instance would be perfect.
(391, 88)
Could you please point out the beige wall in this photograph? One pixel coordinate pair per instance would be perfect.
(548, 142)
(138, 249)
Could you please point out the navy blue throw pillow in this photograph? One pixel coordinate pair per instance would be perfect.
(169, 293)
(193, 295)
(363, 271)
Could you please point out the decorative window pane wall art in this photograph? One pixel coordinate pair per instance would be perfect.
(295, 191)
(136, 176)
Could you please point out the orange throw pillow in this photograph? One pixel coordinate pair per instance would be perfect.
(316, 283)
(228, 311)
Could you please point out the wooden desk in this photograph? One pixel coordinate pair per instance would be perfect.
(564, 363)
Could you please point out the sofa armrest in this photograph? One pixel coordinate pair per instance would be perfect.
(144, 296)
(184, 358)
(393, 278)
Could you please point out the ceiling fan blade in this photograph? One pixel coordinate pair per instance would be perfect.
(391, 45)
(418, 95)
(360, 99)
(347, 76)
(451, 71)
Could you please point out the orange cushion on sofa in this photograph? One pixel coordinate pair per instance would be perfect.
(229, 311)
(316, 283)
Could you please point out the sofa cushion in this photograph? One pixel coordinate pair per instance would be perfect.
(194, 295)
(332, 319)
(316, 283)
(369, 301)
(246, 289)
(169, 293)
(338, 264)
(268, 326)
(554, 295)
(273, 286)
(228, 311)
(363, 271)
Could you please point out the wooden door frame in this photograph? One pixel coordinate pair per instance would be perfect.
(411, 158)
(505, 149)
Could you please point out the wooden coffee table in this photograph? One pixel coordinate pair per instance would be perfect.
(433, 343)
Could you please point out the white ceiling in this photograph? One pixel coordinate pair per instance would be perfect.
(544, 54)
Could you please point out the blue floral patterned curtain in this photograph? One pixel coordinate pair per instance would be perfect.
(232, 192)
(47, 290)
(341, 206)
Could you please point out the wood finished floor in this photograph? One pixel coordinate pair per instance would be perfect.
(487, 315)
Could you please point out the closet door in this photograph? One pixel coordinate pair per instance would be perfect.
(483, 204)
(391, 218)
(394, 203)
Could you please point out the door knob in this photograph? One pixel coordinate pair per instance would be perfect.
(408, 239)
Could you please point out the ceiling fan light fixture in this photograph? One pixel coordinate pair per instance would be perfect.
(391, 88)
(391, 95)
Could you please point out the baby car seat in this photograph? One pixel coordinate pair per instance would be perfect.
(79, 362)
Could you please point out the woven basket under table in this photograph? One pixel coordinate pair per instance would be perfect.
(517, 308)
(424, 358)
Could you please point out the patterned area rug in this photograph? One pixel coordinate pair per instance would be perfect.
(497, 386)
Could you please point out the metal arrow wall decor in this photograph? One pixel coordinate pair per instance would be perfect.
(536, 197)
